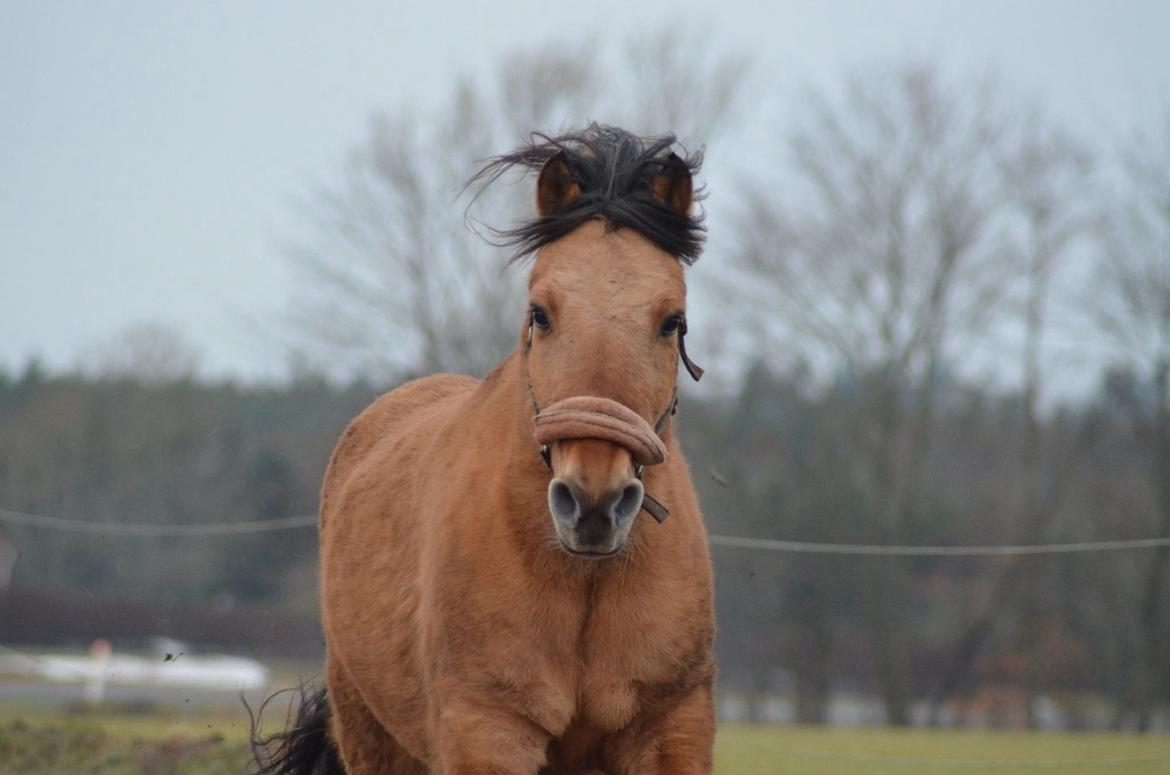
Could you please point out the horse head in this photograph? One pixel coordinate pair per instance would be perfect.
(606, 317)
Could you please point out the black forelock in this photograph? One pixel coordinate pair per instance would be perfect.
(614, 169)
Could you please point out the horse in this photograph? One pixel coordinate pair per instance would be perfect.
(493, 598)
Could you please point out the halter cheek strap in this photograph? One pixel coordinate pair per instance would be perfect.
(692, 367)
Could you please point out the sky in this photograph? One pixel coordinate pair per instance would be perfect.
(150, 152)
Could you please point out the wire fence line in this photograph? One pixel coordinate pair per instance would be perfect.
(147, 530)
(893, 550)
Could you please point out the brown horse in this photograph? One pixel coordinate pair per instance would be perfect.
(494, 600)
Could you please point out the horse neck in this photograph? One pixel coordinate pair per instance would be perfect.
(513, 400)
(508, 414)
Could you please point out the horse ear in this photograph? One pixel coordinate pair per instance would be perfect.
(555, 188)
(673, 187)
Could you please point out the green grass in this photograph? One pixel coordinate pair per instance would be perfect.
(207, 741)
(118, 746)
(785, 750)
(126, 739)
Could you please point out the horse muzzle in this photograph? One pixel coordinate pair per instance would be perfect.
(593, 526)
(594, 522)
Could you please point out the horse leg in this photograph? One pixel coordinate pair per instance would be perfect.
(475, 739)
(365, 745)
(679, 743)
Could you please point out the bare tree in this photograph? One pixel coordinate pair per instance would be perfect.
(390, 283)
(878, 261)
(1047, 178)
(681, 86)
(1131, 303)
(149, 353)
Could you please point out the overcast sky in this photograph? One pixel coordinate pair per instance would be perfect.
(149, 151)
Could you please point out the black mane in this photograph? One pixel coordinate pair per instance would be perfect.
(614, 169)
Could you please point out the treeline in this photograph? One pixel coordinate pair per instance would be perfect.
(782, 458)
(1071, 626)
(120, 450)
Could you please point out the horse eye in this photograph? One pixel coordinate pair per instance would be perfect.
(671, 325)
(540, 318)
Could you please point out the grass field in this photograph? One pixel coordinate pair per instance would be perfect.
(198, 743)
(767, 750)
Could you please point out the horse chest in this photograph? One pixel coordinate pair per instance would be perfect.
(607, 703)
(630, 657)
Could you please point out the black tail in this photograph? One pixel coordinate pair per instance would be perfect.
(304, 747)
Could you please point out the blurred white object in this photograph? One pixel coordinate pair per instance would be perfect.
(212, 671)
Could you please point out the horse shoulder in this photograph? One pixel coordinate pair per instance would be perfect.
(370, 553)
(383, 420)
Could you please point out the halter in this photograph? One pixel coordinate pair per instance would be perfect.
(593, 417)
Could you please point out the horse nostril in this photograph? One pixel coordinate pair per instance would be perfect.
(561, 500)
(629, 503)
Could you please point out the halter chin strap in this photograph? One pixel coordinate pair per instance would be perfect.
(594, 417)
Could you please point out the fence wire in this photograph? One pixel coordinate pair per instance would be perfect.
(154, 530)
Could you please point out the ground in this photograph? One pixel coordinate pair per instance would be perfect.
(798, 750)
(121, 744)
(146, 740)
